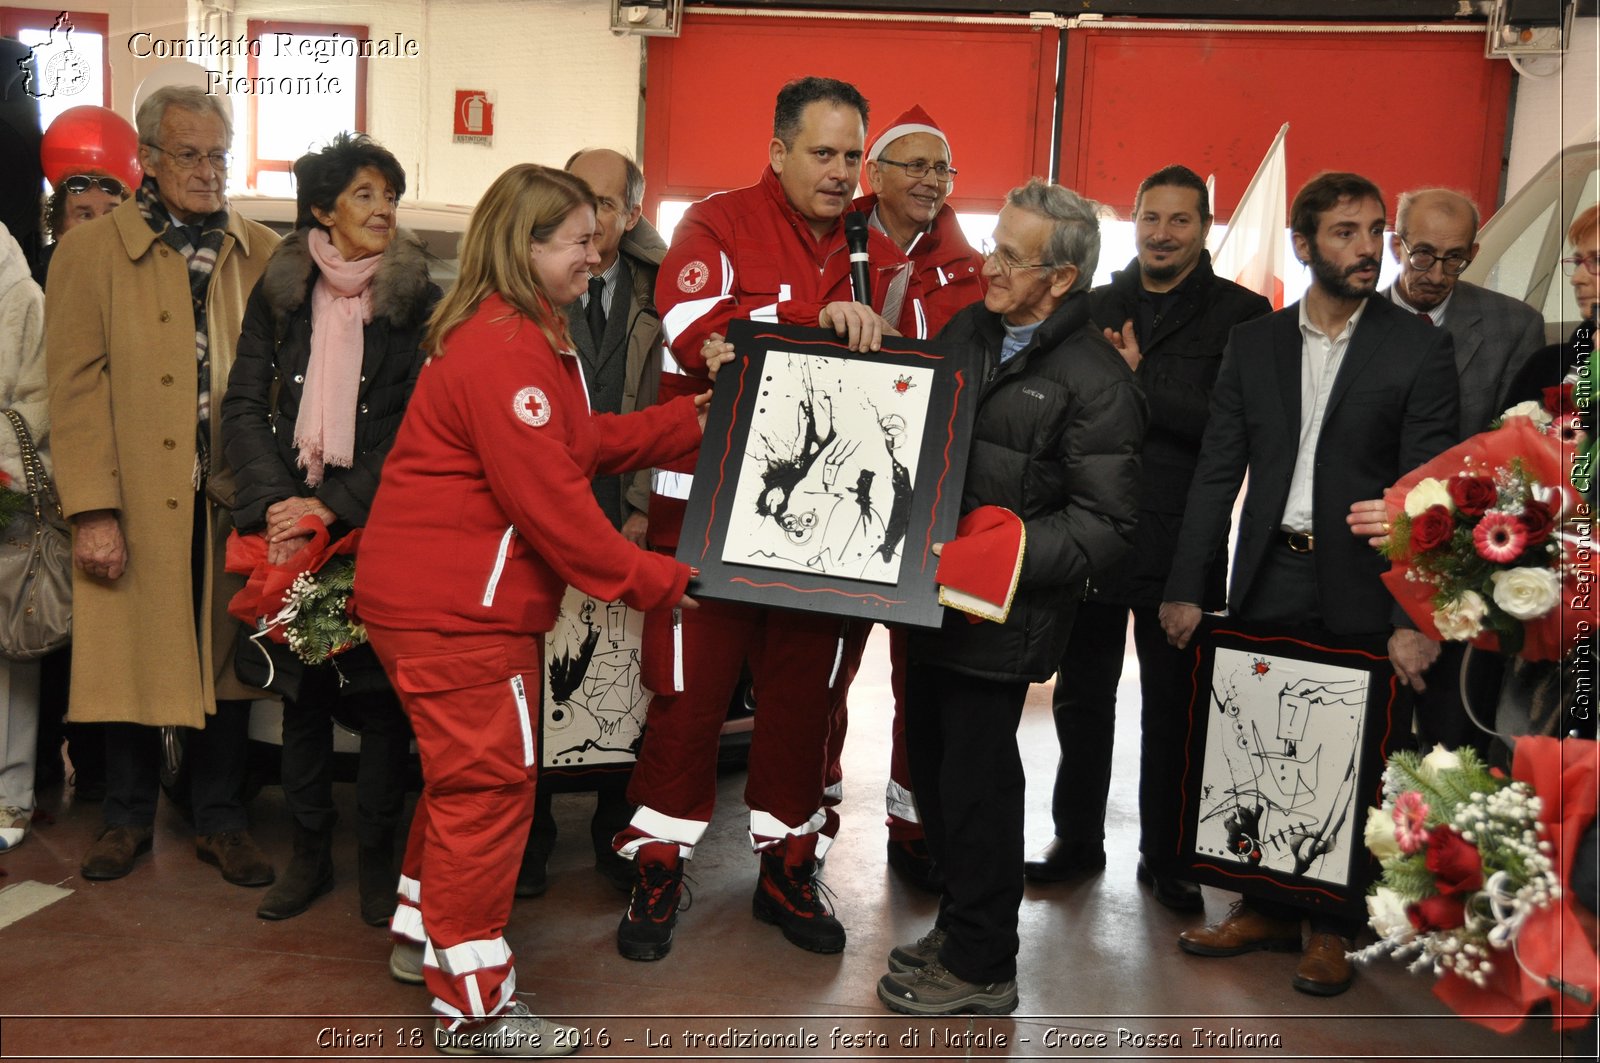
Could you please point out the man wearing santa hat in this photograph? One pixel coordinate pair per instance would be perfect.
(909, 171)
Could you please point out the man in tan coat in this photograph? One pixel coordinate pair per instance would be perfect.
(143, 312)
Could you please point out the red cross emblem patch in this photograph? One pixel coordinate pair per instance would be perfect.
(531, 407)
(693, 277)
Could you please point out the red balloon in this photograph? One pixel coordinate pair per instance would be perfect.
(91, 138)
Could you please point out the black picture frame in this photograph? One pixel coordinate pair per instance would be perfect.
(1281, 815)
(938, 383)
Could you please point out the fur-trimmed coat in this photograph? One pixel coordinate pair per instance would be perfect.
(119, 346)
(269, 372)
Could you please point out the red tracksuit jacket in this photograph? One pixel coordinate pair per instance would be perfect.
(747, 254)
(485, 511)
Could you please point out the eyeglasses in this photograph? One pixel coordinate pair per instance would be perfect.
(77, 184)
(942, 171)
(1591, 262)
(1006, 263)
(188, 158)
(1422, 261)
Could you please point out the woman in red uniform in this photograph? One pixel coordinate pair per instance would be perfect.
(483, 516)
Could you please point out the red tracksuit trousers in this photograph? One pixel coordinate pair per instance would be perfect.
(473, 701)
(904, 822)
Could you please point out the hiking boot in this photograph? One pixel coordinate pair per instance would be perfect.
(933, 990)
(405, 962)
(645, 932)
(113, 853)
(238, 856)
(376, 882)
(514, 1032)
(789, 896)
(923, 951)
(308, 876)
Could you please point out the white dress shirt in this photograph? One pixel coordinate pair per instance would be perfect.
(1320, 358)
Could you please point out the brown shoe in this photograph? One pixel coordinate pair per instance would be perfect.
(1324, 969)
(236, 853)
(113, 853)
(1242, 930)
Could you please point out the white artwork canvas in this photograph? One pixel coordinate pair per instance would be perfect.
(825, 482)
(1279, 774)
(594, 700)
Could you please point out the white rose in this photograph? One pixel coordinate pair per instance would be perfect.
(1430, 492)
(1440, 759)
(1532, 410)
(1526, 593)
(1379, 834)
(1462, 619)
(1387, 912)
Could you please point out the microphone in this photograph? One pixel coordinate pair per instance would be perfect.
(855, 238)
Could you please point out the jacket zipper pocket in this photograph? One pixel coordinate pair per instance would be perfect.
(520, 693)
(499, 565)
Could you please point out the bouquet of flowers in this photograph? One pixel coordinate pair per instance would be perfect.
(303, 602)
(1490, 543)
(12, 502)
(1473, 864)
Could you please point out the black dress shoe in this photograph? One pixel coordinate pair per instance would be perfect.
(1175, 893)
(1061, 860)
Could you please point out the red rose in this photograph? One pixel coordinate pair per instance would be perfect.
(1536, 517)
(1558, 399)
(1437, 913)
(1432, 527)
(1473, 495)
(1454, 861)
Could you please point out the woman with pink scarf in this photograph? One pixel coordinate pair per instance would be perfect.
(327, 360)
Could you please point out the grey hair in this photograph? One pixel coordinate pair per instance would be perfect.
(183, 97)
(633, 182)
(1452, 201)
(1075, 237)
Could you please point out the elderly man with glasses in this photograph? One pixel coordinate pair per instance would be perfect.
(144, 309)
(1056, 442)
(1435, 240)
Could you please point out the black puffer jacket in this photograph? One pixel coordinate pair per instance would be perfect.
(1181, 359)
(274, 350)
(1057, 442)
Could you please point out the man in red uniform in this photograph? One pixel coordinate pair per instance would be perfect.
(774, 251)
(909, 172)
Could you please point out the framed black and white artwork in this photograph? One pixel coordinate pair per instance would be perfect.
(594, 698)
(827, 475)
(1287, 735)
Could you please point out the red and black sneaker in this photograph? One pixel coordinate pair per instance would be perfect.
(645, 932)
(789, 896)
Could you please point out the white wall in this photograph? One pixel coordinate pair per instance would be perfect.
(1553, 112)
(557, 78)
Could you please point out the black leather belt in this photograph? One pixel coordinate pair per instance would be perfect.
(1299, 542)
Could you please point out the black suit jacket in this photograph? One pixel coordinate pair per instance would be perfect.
(1394, 405)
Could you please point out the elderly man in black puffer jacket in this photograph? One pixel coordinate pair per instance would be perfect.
(1056, 442)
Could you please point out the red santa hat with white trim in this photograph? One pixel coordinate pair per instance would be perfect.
(915, 120)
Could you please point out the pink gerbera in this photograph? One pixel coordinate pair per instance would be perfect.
(1499, 537)
(1410, 811)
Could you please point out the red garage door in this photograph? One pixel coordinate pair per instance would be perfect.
(1406, 109)
(708, 105)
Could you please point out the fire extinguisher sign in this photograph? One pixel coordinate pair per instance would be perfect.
(474, 117)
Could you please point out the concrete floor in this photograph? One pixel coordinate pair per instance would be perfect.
(171, 961)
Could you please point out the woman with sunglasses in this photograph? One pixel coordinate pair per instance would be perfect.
(326, 363)
(77, 198)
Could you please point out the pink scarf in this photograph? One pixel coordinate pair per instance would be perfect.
(341, 305)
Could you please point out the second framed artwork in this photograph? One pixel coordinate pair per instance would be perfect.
(827, 475)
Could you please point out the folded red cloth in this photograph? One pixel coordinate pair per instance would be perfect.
(979, 569)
